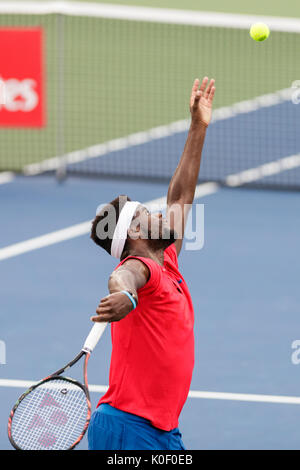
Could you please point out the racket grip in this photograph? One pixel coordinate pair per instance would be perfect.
(93, 337)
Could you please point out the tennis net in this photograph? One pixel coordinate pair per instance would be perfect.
(118, 81)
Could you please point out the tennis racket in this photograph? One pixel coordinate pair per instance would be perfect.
(54, 414)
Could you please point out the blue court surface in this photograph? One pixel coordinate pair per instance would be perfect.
(244, 284)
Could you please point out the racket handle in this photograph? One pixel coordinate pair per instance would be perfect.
(93, 337)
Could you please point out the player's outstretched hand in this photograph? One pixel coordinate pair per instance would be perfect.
(113, 307)
(201, 100)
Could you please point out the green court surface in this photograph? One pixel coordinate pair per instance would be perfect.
(110, 78)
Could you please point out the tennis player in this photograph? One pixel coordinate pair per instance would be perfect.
(149, 307)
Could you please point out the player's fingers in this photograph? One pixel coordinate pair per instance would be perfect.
(195, 85)
(203, 84)
(197, 98)
(101, 318)
(104, 301)
(194, 90)
(208, 89)
(103, 309)
(211, 94)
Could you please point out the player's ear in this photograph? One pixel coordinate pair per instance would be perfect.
(134, 230)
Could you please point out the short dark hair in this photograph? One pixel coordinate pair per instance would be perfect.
(118, 203)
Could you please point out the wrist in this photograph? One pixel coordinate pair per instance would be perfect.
(198, 124)
(132, 297)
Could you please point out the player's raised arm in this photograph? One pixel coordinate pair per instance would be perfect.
(123, 285)
(183, 183)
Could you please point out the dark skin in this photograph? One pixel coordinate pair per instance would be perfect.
(133, 274)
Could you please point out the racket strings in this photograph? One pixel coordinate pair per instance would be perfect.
(51, 417)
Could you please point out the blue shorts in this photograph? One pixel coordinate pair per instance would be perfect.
(113, 429)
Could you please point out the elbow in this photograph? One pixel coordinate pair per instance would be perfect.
(112, 282)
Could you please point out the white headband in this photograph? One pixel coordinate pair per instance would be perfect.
(120, 233)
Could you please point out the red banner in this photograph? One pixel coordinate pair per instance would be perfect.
(22, 102)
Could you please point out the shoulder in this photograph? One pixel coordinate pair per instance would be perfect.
(136, 266)
(144, 268)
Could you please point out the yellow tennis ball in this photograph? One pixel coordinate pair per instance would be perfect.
(259, 31)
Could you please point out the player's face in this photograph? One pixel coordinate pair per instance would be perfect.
(154, 226)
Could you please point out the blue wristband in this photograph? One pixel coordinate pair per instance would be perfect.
(130, 297)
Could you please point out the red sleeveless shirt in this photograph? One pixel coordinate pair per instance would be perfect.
(152, 357)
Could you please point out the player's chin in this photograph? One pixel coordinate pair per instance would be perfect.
(168, 236)
(162, 238)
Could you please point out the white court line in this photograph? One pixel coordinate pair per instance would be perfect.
(148, 14)
(268, 169)
(246, 397)
(138, 138)
(81, 229)
(6, 177)
(45, 240)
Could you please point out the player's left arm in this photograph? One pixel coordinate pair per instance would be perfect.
(183, 183)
